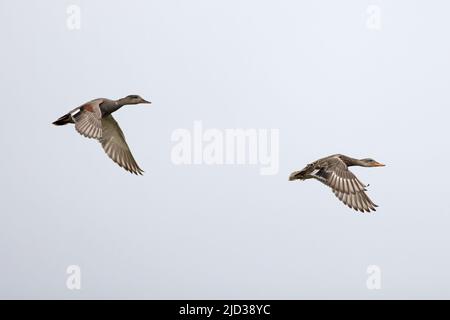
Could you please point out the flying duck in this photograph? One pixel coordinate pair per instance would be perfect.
(333, 172)
(94, 120)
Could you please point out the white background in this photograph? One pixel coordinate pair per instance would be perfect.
(311, 69)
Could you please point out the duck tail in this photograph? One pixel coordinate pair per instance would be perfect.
(297, 175)
(65, 119)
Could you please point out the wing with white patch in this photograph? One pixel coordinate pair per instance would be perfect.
(88, 119)
(115, 146)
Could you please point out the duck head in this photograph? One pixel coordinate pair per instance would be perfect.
(134, 99)
(368, 162)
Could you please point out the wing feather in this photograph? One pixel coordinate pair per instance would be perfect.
(114, 143)
(346, 186)
(88, 120)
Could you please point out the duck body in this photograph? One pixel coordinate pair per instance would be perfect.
(94, 120)
(333, 172)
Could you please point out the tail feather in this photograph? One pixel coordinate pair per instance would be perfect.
(297, 175)
(65, 119)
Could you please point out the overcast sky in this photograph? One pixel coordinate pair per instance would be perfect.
(331, 76)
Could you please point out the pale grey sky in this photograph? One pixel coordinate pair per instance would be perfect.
(311, 69)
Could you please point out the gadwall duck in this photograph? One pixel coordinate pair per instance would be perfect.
(94, 120)
(333, 172)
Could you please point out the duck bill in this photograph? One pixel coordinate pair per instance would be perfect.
(145, 101)
(379, 164)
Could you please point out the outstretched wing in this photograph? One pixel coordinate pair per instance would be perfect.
(115, 146)
(88, 119)
(345, 185)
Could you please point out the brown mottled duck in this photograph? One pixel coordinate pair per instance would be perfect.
(333, 172)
